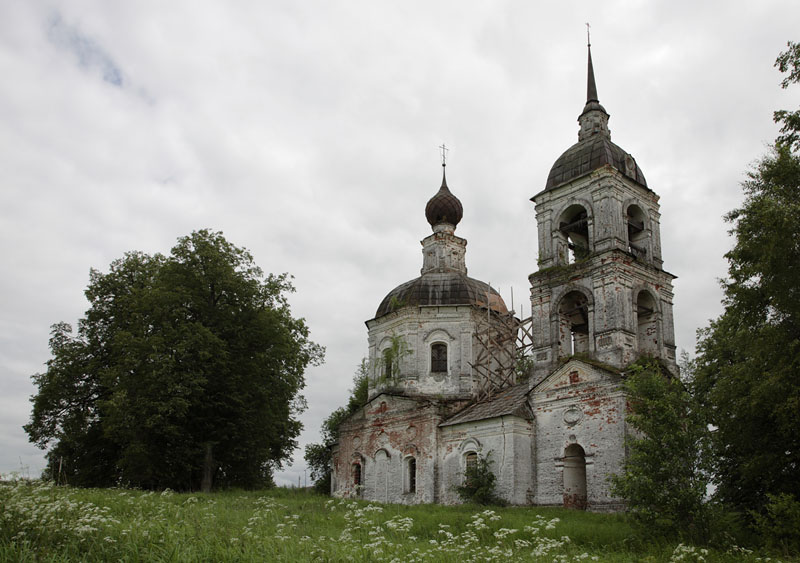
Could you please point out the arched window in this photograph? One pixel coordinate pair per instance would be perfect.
(438, 357)
(470, 465)
(386, 363)
(574, 226)
(471, 461)
(637, 235)
(411, 474)
(357, 474)
(573, 324)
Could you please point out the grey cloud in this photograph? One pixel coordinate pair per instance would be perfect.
(89, 54)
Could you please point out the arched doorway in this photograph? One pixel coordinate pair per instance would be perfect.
(575, 477)
(382, 476)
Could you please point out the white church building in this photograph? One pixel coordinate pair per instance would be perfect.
(455, 375)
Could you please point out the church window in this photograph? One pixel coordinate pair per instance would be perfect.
(411, 475)
(573, 324)
(386, 363)
(438, 357)
(573, 227)
(357, 474)
(471, 462)
(637, 234)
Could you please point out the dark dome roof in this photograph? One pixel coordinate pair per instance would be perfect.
(444, 207)
(446, 288)
(588, 155)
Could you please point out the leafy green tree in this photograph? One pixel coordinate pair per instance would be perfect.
(748, 364)
(663, 481)
(318, 456)
(185, 371)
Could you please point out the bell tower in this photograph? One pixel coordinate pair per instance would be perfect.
(600, 291)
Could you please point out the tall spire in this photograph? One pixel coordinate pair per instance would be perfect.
(591, 86)
(594, 117)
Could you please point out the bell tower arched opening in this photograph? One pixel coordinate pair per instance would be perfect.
(573, 324)
(573, 230)
(647, 323)
(637, 233)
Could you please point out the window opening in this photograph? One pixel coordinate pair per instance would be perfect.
(411, 466)
(357, 474)
(438, 357)
(471, 463)
(387, 361)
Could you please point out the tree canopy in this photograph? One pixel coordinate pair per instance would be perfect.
(748, 363)
(789, 62)
(185, 368)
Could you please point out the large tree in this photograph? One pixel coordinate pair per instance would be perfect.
(748, 364)
(185, 369)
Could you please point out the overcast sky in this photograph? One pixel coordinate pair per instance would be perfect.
(307, 133)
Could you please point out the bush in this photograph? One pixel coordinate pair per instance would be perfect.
(479, 484)
(779, 526)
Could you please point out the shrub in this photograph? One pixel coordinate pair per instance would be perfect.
(779, 525)
(479, 483)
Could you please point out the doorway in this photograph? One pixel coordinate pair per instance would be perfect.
(575, 477)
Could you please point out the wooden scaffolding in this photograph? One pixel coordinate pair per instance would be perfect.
(504, 343)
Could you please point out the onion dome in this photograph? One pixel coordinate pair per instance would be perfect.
(441, 289)
(444, 279)
(594, 148)
(444, 207)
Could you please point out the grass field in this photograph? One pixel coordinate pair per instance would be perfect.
(41, 522)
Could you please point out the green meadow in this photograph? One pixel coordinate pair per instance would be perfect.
(42, 522)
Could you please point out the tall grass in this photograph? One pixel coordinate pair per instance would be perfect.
(41, 522)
